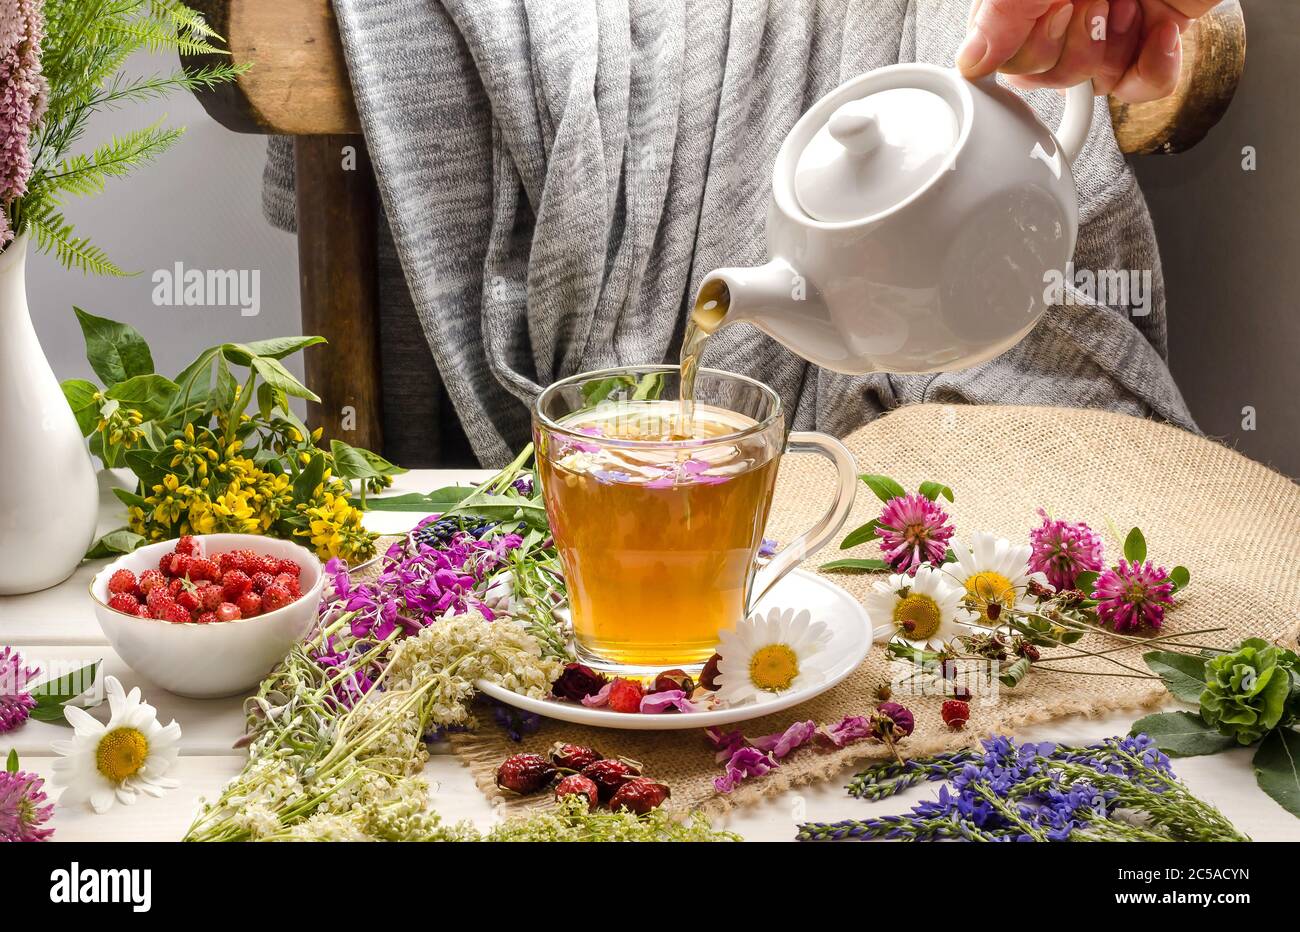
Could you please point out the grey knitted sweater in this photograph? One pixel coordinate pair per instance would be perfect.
(557, 175)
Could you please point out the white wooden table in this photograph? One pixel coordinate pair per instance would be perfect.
(58, 626)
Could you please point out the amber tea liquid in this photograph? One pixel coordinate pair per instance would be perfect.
(658, 542)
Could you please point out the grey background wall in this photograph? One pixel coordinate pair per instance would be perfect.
(1230, 241)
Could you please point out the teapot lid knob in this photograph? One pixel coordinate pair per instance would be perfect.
(875, 152)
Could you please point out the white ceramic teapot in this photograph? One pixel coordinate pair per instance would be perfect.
(914, 218)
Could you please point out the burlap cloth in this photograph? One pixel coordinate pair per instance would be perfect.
(1234, 523)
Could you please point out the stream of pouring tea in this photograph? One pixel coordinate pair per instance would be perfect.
(710, 307)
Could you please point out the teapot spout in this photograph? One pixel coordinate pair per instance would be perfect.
(776, 299)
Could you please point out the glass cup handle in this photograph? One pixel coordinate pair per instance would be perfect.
(817, 536)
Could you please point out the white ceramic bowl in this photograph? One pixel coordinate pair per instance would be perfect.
(210, 660)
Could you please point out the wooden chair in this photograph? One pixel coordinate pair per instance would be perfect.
(299, 87)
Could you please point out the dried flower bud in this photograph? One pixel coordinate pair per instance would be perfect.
(892, 721)
(674, 679)
(577, 682)
(882, 692)
(1039, 591)
(993, 610)
(709, 675)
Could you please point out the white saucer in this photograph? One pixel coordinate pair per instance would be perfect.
(849, 645)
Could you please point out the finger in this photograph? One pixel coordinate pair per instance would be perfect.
(1000, 29)
(1085, 47)
(1121, 46)
(1154, 74)
(1190, 9)
(1043, 48)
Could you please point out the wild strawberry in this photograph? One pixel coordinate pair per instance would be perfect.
(290, 567)
(123, 581)
(275, 597)
(524, 773)
(227, 612)
(610, 774)
(176, 614)
(227, 561)
(124, 602)
(625, 695)
(204, 569)
(174, 564)
(234, 583)
(188, 546)
(261, 581)
(175, 586)
(250, 604)
(268, 564)
(207, 618)
(158, 597)
(189, 600)
(142, 611)
(149, 579)
(955, 713)
(290, 583)
(639, 795)
(572, 756)
(210, 597)
(575, 784)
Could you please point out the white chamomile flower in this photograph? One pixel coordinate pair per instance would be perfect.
(993, 572)
(922, 609)
(117, 761)
(762, 657)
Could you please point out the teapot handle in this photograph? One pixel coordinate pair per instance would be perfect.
(1073, 131)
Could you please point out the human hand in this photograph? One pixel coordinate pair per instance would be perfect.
(1129, 48)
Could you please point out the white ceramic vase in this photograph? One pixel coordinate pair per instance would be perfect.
(49, 499)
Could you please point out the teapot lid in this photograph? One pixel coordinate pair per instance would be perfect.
(874, 153)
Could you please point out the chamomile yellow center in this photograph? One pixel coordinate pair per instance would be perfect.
(989, 588)
(916, 616)
(773, 667)
(121, 753)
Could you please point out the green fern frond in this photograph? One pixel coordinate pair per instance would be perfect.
(182, 18)
(55, 235)
(88, 174)
(156, 37)
(120, 91)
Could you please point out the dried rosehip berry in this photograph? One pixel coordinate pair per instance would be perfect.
(525, 773)
(575, 784)
(955, 713)
(577, 682)
(639, 795)
(674, 679)
(573, 756)
(610, 774)
(625, 695)
(709, 675)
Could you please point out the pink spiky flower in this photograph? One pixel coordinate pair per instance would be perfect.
(23, 94)
(16, 702)
(1063, 549)
(1133, 594)
(23, 807)
(913, 530)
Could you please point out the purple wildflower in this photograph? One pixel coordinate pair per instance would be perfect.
(16, 701)
(515, 722)
(913, 530)
(23, 93)
(1063, 549)
(23, 807)
(1130, 595)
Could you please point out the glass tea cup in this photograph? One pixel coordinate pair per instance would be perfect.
(658, 508)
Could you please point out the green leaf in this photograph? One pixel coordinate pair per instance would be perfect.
(274, 372)
(115, 351)
(860, 535)
(268, 398)
(1012, 675)
(1135, 546)
(128, 498)
(435, 502)
(310, 477)
(1184, 674)
(274, 348)
(593, 393)
(356, 463)
(11, 764)
(196, 379)
(148, 466)
(113, 543)
(223, 393)
(932, 491)
(501, 508)
(1180, 576)
(1277, 768)
(151, 395)
(1085, 581)
(1182, 734)
(81, 399)
(884, 487)
(862, 566)
(64, 689)
(649, 388)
